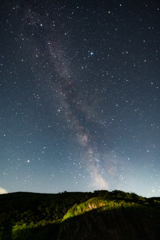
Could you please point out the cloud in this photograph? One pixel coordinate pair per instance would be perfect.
(2, 191)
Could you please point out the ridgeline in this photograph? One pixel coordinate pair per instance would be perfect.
(79, 216)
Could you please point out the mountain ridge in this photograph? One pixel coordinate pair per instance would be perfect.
(79, 215)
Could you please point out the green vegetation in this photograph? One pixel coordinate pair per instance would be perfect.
(47, 216)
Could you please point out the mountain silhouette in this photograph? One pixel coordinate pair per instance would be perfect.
(79, 216)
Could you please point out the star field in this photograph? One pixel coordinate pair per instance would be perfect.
(80, 96)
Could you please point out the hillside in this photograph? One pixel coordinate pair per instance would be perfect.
(68, 216)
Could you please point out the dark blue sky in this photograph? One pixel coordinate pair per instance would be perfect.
(80, 96)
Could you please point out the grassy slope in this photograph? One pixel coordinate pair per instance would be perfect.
(117, 215)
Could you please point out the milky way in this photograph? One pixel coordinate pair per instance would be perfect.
(76, 109)
(76, 113)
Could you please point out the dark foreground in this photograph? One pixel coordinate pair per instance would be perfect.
(79, 216)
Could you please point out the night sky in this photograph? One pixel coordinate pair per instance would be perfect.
(80, 96)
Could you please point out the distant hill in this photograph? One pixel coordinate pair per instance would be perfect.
(100, 215)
